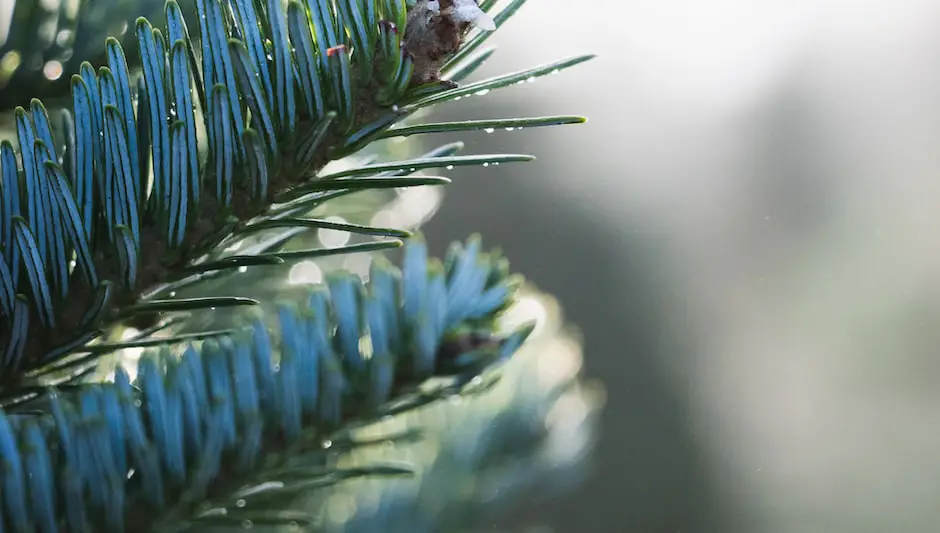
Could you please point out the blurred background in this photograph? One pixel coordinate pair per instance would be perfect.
(746, 234)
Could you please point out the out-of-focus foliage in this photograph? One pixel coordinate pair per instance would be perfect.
(43, 42)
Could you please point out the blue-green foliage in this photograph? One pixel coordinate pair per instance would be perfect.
(109, 207)
(119, 456)
(118, 195)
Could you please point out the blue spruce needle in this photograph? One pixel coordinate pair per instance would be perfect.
(212, 134)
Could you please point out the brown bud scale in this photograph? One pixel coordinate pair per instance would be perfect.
(431, 37)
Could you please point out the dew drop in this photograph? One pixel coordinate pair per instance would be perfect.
(530, 79)
(305, 272)
(450, 167)
(486, 164)
(247, 524)
(10, 61)
(240, 503)
(554, 72)
(458, 98)
(62, 38)
(489, 130)
(496, 164)
(510, 129)
(53, 70)
(484, 92)
(326, 444)
(243, 269)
